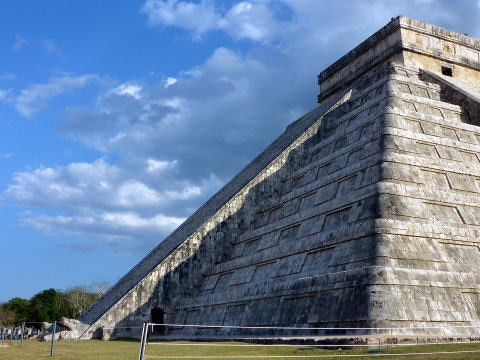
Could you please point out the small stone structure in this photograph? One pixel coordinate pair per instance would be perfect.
(365, 212)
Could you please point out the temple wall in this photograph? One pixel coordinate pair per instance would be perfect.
(429, 211)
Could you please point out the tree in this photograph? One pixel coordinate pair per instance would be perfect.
(49, 305)
(99, 288)
(76, 300)
(45, 306)
(20, 307)
(7, 316)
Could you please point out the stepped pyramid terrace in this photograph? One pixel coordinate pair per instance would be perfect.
(364, 213)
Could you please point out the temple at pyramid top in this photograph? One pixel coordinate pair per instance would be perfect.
(361, 218)
(409, 42)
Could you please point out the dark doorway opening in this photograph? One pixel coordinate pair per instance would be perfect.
(447, 70)
(158, 317)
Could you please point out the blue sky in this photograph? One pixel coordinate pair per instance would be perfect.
(120, 118)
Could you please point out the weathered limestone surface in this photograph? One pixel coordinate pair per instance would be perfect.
(179, 262)
(364, 213)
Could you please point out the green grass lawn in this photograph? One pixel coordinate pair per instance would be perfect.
(123, 350)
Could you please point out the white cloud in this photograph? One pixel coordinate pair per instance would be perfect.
(64, 186)
(6, 95)
(132, 194)
(156, 166)
(126, 229)
(218, 102)
(251, 20)
(197, 17)
(107, 202)
(187, 193)
(96, 185)
(132, 90)
(19, 43)
(260, 20)
(36, 96)
(132, 220)
(170, 81)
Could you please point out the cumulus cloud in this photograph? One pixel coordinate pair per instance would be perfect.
(197, 17)
(267, 20)
(119, 228)
(155, 166)
(124, 205)
(34, 97)
(170, 81)
(177, 122)
(253, 20)
(132, 90)
(99, 185)
(63, 186)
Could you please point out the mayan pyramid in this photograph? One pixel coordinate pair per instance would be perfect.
(363, 213)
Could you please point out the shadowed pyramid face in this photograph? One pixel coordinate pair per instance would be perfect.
(364, 213)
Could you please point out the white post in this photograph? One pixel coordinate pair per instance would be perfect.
(145, 340)
(141, 351)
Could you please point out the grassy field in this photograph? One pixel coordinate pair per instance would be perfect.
(128, 350)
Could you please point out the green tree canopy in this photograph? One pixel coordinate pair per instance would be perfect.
(45, 306)
(20, 307)
(49, 305)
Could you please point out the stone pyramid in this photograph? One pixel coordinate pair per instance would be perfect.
(364, 213)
